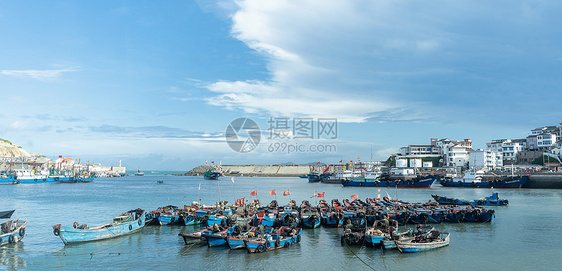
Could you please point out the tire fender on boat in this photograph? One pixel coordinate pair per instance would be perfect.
(261, 248)
(11, 239)
(56, 231)
(22, 232)
(140, 222)
(130, 227)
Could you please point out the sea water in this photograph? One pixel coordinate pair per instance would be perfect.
(526, 235)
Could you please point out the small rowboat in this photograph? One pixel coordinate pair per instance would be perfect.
(129, 222)
(433, 241)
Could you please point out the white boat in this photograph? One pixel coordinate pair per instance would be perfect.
(433, 241)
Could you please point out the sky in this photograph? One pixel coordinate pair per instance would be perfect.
(156, 84)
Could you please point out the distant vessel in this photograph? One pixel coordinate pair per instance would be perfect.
(212, 175)
(139, 173)
(477, 179)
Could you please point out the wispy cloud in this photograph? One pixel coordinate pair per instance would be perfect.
(155, 132)
(42, 75)
(357, 60)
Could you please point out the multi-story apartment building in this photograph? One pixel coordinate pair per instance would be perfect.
(485, 159)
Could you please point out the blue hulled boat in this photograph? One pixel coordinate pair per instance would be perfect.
(477, 179)
(211, 175)
(385, 181)
(12, 231)
(127, 223)
(281, 238)
(493, 200)
(381, 229)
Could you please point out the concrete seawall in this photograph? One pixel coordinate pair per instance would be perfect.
(253, 170)
(545, 181)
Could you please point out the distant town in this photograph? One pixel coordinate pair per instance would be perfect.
(540, 148)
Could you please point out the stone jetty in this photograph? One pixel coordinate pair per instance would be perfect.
(253, 170)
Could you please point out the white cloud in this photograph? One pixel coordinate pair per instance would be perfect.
(320, 58)
(42, 75)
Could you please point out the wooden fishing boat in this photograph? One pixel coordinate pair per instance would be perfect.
(381, 229)
(432, 241)
(237, 239)
(127, 223)
(199, 235)
(389, 242)
(281, 238)
(309, 216)
(12, 231)
(493, 200)
(219, 238)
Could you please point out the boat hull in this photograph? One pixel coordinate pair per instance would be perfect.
(422, 183)
(14, 234)
(410, 246)
(70, 235)
(509, 182)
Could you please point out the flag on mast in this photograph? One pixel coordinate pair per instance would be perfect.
(286, 193)
(254, 193)
(272, 193)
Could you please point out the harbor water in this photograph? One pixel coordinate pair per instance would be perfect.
(526, 235)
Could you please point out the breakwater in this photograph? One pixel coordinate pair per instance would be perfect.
(544, 180)
(252, 170)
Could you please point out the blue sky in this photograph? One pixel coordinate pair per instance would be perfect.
(155, 84)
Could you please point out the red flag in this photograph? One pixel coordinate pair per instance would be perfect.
(354, 196)
(341, 161)
(286, 193)
(272, 192)
(326, 170)
(239, 202)
(60, 156)
(351, 161)
(254, 193)
(321, 195)
(318, 163)
(212, 162)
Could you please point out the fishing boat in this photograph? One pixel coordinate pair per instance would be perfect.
(11, 231)
(168, 215)
(389, 242)
(238, 237)
(309, 216)
(478, 179)
(33, 177)
(211, 175)
(139, 172)
(432, 241)
(281, 238)
(127, 223)
(422, 181)
(493, 200)
(380, 230)
(200, 235)
(6, 178)
(219, 238)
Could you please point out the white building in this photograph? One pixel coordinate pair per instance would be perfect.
(485, 159)
(508, 148)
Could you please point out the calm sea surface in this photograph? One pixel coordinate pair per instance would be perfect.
(526, 235)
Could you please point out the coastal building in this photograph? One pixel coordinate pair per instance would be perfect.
(542, 142)
(508, 148)
(441, 152)
(485, 159)
(527, 157)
